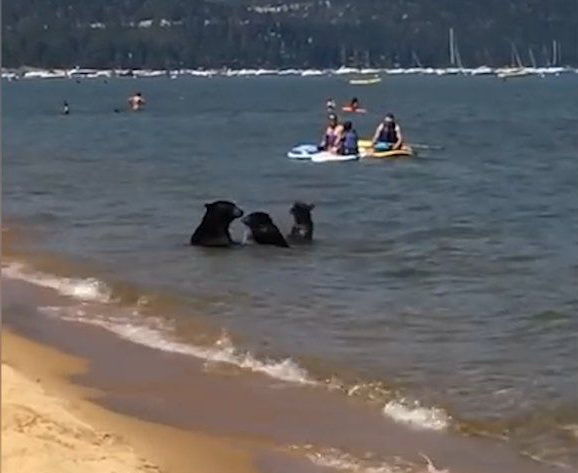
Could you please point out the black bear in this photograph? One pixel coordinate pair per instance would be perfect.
(263, 230)
(302, 230)
(214, 228)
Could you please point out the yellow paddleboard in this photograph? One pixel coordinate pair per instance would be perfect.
(367, 151)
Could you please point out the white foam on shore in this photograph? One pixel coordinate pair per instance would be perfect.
(84, 289)
(151, 332)
(338, 460)
(157, 334)
(417, 416)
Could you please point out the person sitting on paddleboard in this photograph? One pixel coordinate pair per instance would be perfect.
(387, 135)
(349, 140)
(332, 138)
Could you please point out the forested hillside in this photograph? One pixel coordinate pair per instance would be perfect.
(315, 33)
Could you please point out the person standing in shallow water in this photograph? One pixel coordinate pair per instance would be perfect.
(65, 108)
(136, 102)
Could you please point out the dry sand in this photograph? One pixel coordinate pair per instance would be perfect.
(48, 426)
(40, 434)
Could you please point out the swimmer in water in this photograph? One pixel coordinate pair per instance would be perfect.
(330, 105)
(354, 104)
(65, 108)
(136, 102)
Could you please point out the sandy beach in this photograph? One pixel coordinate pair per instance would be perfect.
(48, 426)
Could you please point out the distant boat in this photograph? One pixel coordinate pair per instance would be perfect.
(368, 81)
(519, 70)
(512, 73)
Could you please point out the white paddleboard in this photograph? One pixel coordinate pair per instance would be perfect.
(311, 152)
(326, 157)
(303, 151)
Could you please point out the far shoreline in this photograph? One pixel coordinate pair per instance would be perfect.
(503, 72)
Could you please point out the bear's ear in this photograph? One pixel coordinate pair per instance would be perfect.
(311, 206)
(207, 205)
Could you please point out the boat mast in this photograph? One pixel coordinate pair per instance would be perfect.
(532, 58)
(516, 56)
(343, 56)
(367, 59)
(416, 60)
(559, 58)
(458, 57)
(452, 52)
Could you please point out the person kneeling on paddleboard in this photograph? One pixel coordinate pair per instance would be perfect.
(387, 135)
(332, 138)
(349, 140)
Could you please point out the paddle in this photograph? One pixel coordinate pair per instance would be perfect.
(432, 147)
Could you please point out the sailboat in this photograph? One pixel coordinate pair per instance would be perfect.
(518, 70)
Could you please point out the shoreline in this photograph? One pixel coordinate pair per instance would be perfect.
(242, 422)
(48, 421)
(503, 72)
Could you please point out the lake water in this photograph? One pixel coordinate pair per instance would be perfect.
(441, 288)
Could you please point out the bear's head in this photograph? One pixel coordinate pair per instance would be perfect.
(302, 212)
(258, 220)
(223, 209)
(302, 230)
(214, 228)
(263, 230)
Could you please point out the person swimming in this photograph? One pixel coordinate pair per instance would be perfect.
(330, 105)
(332, 138)
(349, 140)
(387, 134)
(65, 108)
(136, 102)
(354, 104)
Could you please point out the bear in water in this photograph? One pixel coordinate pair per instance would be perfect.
(263, 230)
(214, 228)
(302, 230)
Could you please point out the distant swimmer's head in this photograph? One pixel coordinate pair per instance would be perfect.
(354, 100)
(116, 110)
(347, 126)
(332, 117)
(389, 118)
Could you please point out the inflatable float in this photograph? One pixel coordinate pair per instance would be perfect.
(353, 110)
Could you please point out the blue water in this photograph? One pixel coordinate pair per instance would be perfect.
(452, 275)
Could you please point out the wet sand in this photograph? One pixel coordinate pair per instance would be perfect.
(48, 425)
(267, 424)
